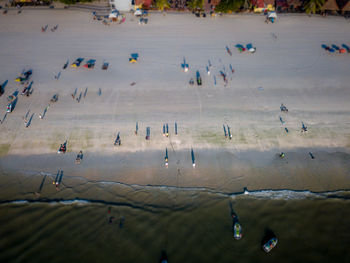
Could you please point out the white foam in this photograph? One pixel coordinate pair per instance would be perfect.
(282, 194)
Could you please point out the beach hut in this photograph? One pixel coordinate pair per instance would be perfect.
(144, 4)
(330, 6)
(344, 6)
(282, 5)
(295, 5)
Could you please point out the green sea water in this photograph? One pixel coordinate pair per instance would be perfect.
(199, 230)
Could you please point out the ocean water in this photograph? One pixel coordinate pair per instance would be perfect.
(191, 225)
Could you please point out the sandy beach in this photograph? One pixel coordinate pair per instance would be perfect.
(289, 67)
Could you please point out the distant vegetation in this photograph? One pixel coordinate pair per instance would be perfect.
(195, 4)
(313, 6)
(161, 4)
(72, 2)
(228, 6)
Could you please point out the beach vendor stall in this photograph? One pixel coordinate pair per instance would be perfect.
(271, 17)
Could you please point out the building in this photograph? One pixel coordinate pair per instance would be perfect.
(263, 5)
(330, 6)
(143, 3)
(122, 5)
(344, 6)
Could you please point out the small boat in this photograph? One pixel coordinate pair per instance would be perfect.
(237, 231)
(269, 245)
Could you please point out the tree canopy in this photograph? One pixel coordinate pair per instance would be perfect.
(226, 6)
(161, 4)
(195, 4)
(313, 6)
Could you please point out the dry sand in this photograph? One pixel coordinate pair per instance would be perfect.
(290, 69)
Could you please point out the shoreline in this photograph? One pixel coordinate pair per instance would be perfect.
(225, 171)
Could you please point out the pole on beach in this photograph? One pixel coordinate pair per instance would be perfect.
(193, 159)
(175, 128)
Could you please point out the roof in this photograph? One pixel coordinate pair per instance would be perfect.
(295, 3)
(330, 5)
(144, 2)
(344, 5)
(262, 3)
(282, 3)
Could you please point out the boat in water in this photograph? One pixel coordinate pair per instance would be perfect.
(237, 231)
(237, 228)
(269, 245)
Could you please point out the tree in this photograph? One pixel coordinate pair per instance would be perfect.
(161, 4)
(226, 6)
(313, 6)
(195, 4)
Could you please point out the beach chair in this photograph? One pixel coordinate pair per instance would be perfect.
(346, 47)
(250, 48)
(90, 64)
(335, 47)
(25, 76)
(105, 66)
(325, 47)
(240, 48)
(133, 57)
(77, 62)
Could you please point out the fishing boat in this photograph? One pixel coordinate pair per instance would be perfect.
(237, 231)
(269, 245)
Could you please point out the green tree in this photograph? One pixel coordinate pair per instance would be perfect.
(195, 4)
(313, 6)
(226, 6)
(161, 4)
